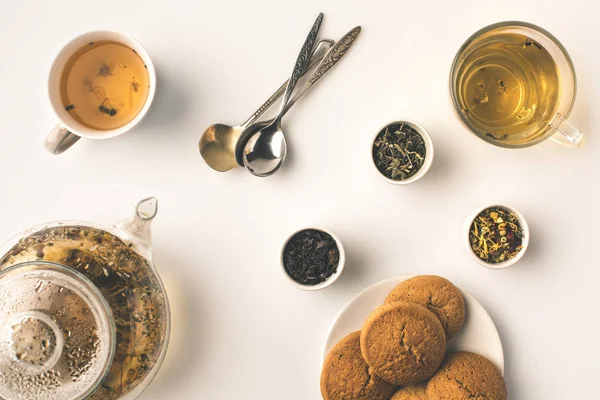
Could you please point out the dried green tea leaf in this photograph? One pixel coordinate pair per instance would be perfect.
(399, 151)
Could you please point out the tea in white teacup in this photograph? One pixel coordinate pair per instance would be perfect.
(104, 85)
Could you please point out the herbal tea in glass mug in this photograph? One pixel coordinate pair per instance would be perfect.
(513, 85)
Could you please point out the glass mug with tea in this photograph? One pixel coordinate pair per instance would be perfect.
(101, 85)
(513, 85)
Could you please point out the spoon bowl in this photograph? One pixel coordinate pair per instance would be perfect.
(217, 141)
(266, 149)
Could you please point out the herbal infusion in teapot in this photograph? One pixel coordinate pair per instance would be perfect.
(104, 85)
(507, 87)
(125, 280)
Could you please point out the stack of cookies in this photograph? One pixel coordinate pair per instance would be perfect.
(399, 353)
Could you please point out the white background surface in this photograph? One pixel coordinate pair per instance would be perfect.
(239, 330)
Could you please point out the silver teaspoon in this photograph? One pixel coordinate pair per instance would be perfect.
(218, 143)
(268, 144)
(263, 158)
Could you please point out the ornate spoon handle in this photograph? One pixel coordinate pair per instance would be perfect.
(301, 63)
(321, 50)
(330, 59)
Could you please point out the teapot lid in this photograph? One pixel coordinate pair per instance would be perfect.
(57, 335)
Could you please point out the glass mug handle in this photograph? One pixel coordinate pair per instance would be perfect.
(60, 139)
(568, 135)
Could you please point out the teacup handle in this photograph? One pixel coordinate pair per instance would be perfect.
(568, 135)
(60, 139)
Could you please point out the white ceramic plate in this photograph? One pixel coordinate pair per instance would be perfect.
(478, 335)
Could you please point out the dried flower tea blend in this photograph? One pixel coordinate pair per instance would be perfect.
(496, 235)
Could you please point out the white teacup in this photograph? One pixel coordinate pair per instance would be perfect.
(68, 130)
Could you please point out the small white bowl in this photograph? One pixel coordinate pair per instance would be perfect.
(332, 278)
(428, 153)
(467, 229)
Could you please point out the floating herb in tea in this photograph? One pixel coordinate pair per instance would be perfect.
(104, 71)
(496, 235)
(107, 110)
(310, 257)
(399, 151)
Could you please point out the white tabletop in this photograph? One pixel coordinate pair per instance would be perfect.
(239, 330)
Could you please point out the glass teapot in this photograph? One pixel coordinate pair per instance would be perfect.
(83, 312)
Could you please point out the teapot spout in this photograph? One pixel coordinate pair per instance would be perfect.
(139, 227)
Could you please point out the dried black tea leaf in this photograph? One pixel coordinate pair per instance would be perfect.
(311, 257)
